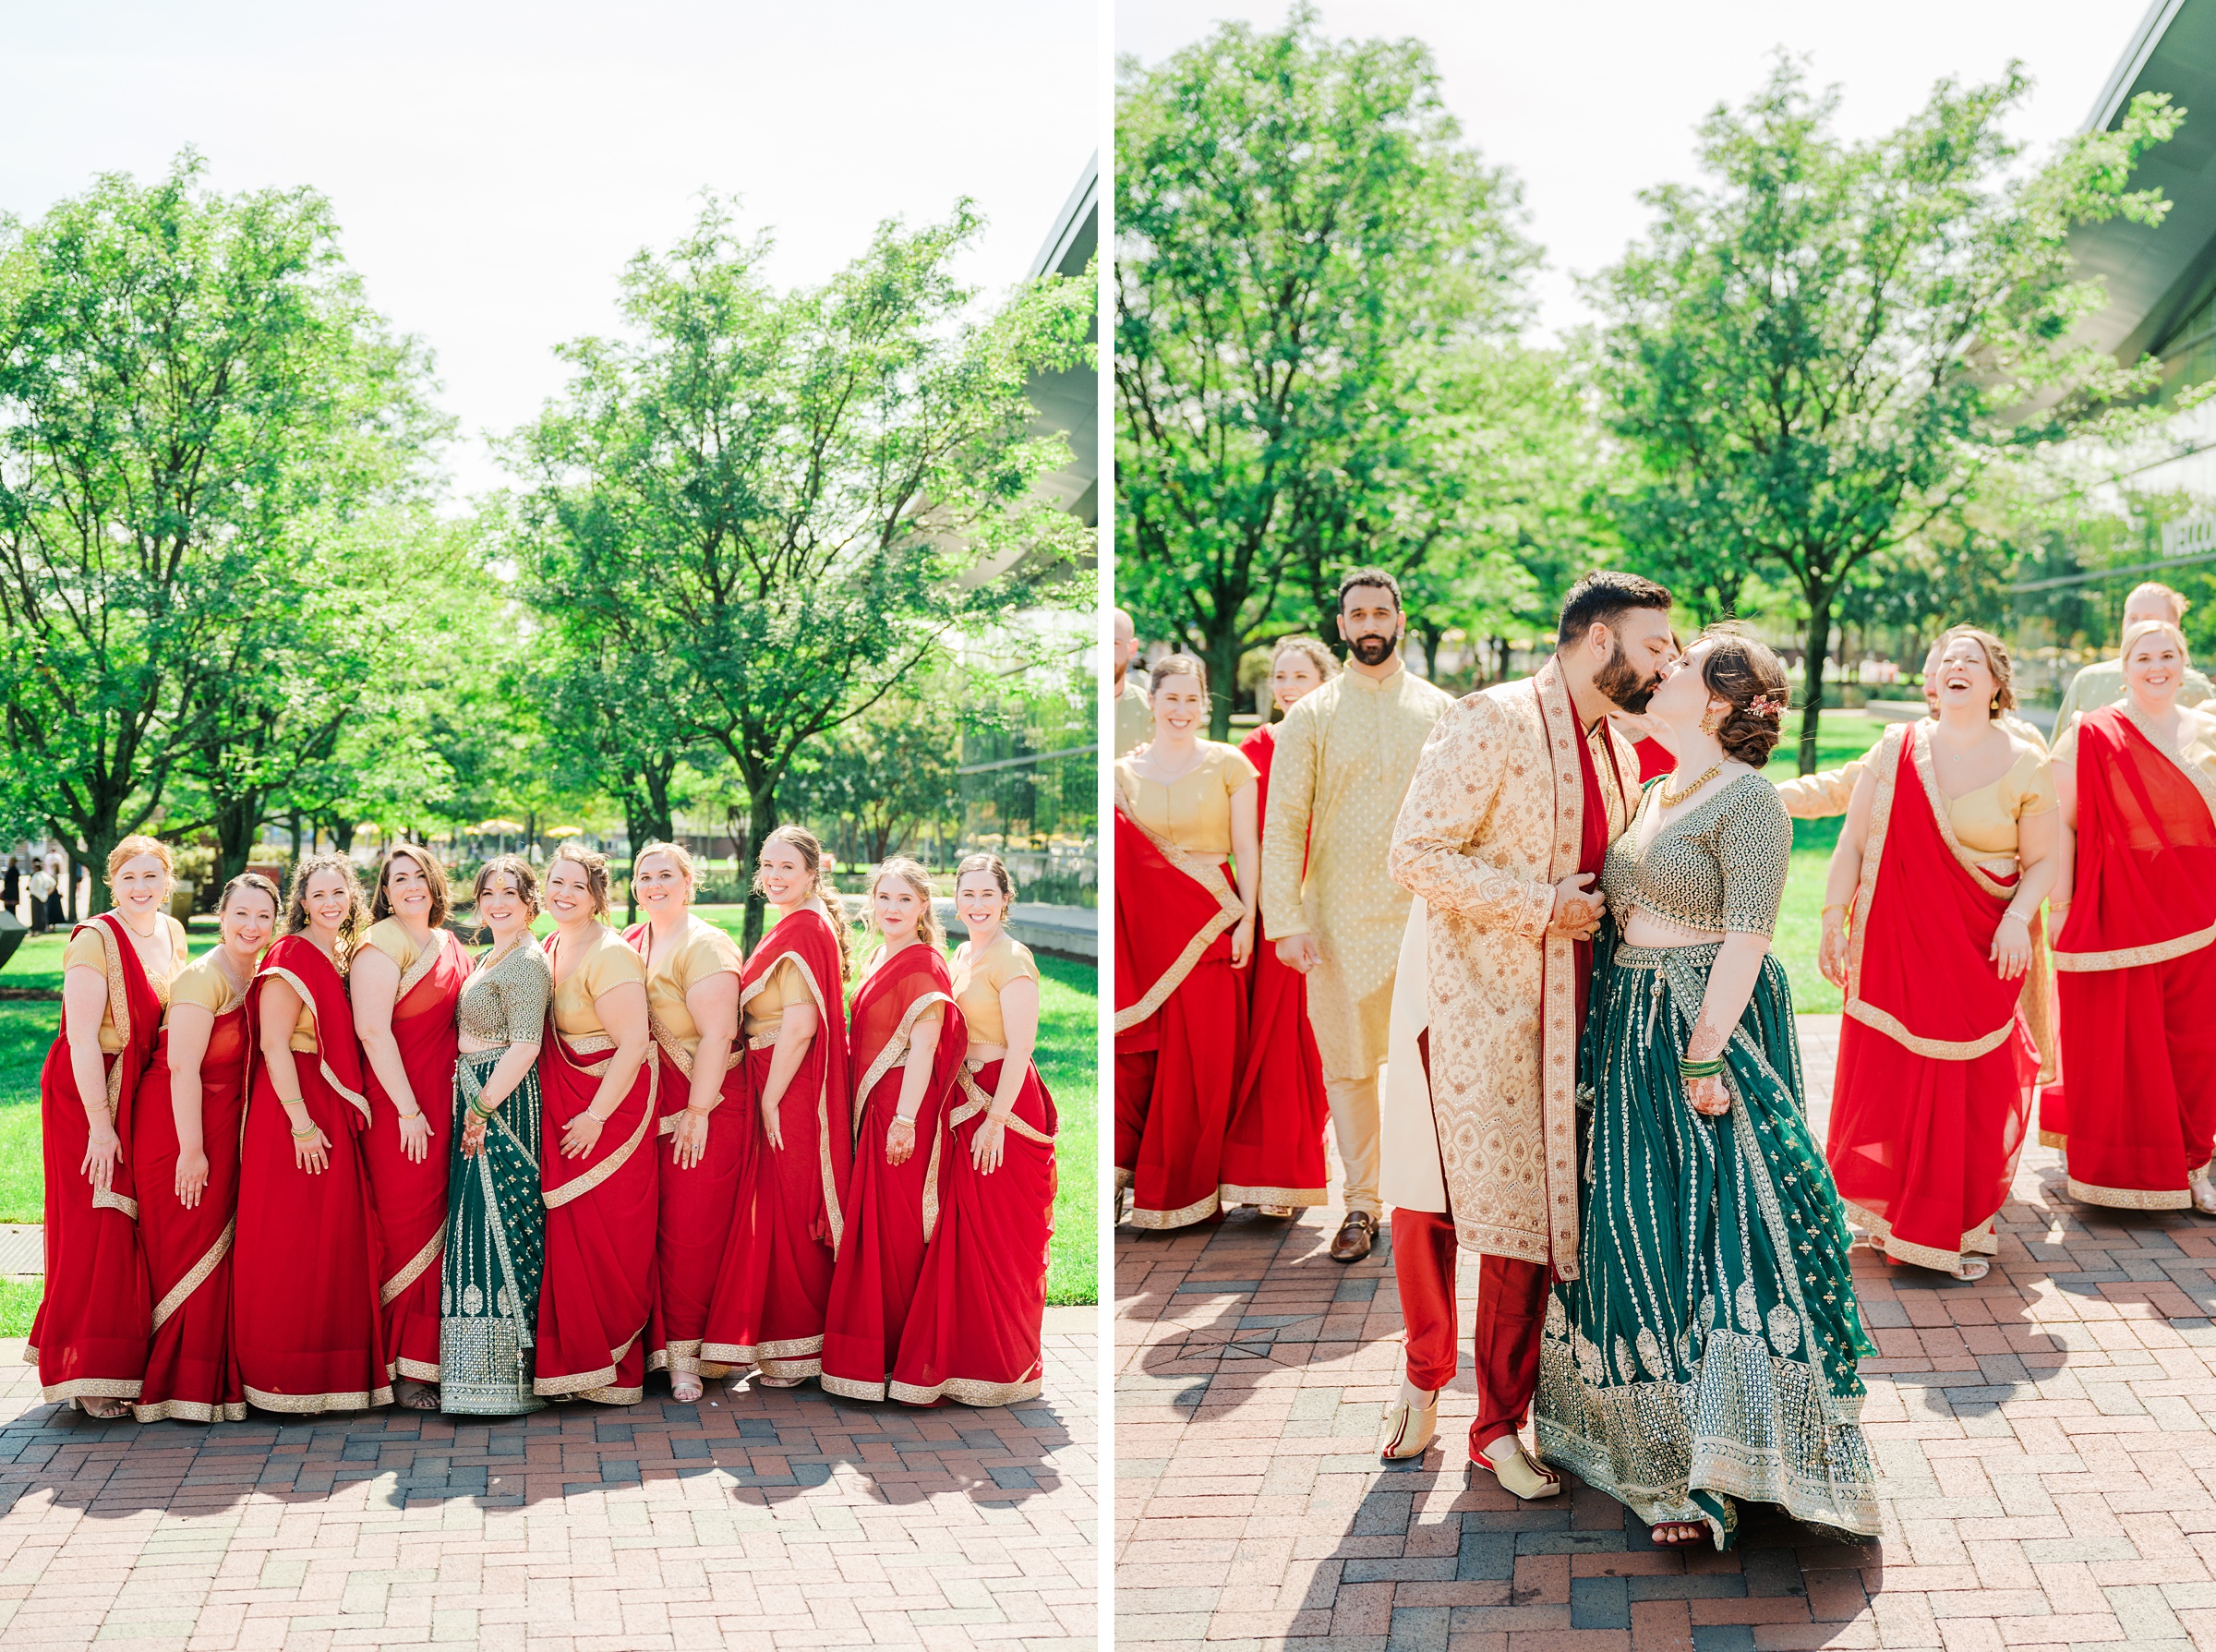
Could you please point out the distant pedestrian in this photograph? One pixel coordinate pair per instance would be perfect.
(11, 888)
(41, 901)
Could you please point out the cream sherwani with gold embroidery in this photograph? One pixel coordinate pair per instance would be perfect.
(1494, 819)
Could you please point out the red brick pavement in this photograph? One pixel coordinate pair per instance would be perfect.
(2049, 1474)
(778, 1519)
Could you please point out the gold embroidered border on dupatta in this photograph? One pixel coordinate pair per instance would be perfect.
(1229, 912)
(823, 1088)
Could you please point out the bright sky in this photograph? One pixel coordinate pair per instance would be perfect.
(1589, 104)
(493, 163)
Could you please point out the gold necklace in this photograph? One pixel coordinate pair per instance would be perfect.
(1672, 799)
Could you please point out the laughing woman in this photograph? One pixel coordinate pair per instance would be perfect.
(906, 1050)
(774, 1284)
(89, 1338)
(405, 984)
(496, 1218)
(306, 1323)
(973, 1331)
(597, 1082)
(185, 1137)
(693, 999)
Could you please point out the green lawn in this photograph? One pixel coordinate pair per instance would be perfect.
(1068, 1034)
(1842, 735)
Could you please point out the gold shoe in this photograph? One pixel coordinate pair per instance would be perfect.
(1405, 1432)
(1515, 1470)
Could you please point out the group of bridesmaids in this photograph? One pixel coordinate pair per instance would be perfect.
(337, 1163)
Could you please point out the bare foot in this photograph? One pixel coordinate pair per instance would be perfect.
(684, 1387)
(1679, 1534)
(1972, 1267)
(415, 1396)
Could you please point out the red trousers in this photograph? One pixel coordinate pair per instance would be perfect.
(1511, 1307)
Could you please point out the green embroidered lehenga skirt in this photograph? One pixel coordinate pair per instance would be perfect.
(496, 1246)
(1706, 1351)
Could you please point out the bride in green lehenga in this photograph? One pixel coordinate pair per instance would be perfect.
(1706, 1354)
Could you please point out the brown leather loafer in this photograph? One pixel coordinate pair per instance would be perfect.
(1356, 1234)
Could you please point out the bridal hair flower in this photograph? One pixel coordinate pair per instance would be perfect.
(1770, 708)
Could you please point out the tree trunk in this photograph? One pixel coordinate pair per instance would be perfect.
(342, 833)
(294, 822)
(1812, 673)
(1431, 640)
(237, 821)
(93, 860)
(1222, 661)
(760, 820)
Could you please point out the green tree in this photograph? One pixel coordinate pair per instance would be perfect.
(1302, 233)
(183, 378)
(889, 775)
(790, 498)
(1816, 355)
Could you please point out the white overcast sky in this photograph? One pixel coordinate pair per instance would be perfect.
(1591, 101)
(493, 163)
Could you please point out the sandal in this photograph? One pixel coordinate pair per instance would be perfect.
(1678, 1534)
(415, 1396)
(1973, 1267)
(682, 1382)
(106, 1410)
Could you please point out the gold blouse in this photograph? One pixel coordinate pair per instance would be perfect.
(386, 935)
(2197, 742)
(1985, 820)
(202, 983)
(783, 985)
(702, 951)
(606, 964)
(978, 978)
(1194, 810)
(86, 951)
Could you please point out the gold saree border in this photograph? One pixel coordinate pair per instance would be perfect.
(191, 1411)
(2130, 1198)
(894, 1052)
(823, 1085)
(555, 1197)
(2130, 957)
(595, 1386)
(968, 1391)
(195, 1277)
(1233, 1193)
(409, 1273)
(1229, 910)
(309, 1404)
(953, 1119)
(360, 1103)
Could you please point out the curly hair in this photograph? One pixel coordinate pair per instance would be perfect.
(1996, 662)
(357, 908)
(1751, 680)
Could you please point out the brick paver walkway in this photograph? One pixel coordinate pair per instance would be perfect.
(780, 1519)
(2044, 1437)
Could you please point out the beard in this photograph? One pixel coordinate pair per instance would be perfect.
(1372, 650)
(1621, 682)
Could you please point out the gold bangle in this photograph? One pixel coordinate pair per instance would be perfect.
(307, 1135)
(1838, 906)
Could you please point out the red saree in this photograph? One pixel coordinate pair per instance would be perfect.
(1937, 1065)
(89, 1338)
(2138, 973)
(1180, 1025)
(190, 1371)
(889, 1207)
(307, 1331)
(597, 1290)
(973, 1328)
(773, 1290)
(1273, 1141)
(410, 1199)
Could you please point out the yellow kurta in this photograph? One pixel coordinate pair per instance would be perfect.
(1134, 718)
(1345, 753)
(2102, 683)
(1829, 790)
(1494, 819)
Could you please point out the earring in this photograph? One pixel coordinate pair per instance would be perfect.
(1712, 722)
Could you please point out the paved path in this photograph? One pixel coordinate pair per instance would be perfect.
(782, 1519)
(2044, 1435)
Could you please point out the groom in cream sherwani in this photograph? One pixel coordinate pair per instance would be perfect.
(1519, 792)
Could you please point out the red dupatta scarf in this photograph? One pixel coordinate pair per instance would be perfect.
(807, 938)
(300, 964)
(2145, 888)
(136, 1010)
(884, 1013)
(1172, 908)
(1924, 911)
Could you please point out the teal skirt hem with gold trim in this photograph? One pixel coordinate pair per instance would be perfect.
(1707, 1352)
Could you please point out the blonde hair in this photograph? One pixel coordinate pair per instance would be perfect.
(596, 879)
(2177, 600)
(984, 861)
(357, 910)
(811, 852)
(442, 898)
(919, 880)
(138, 844)
(676, 852)
(516, 867)
(2131, 638)
(1998, 662)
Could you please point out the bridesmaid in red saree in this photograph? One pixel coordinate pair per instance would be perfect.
(1950, 844)
(598, 1091)
(1183, 934)
(185, 1137)
(307, 1329)
(2135, 958)
(89, 1338)
(973, 1330)
(905, 1048)
(405, 980)
(1273, 1145)
(692, 1007)
(774, 1288)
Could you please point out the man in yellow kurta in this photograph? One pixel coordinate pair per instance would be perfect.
(1344, 753)
(1501, 840)
(1133, 716)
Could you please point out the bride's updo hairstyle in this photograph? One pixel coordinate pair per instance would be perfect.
(1740, 670)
